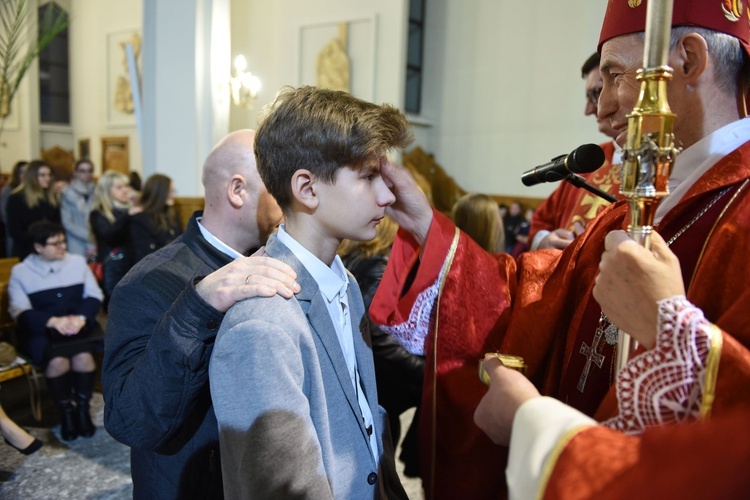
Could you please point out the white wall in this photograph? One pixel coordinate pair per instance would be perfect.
(503, 87)
(502, 91)
(91, 21)
(268, 34)
(15, 139)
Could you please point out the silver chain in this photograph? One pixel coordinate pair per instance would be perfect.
(603, 318)
(698, 216)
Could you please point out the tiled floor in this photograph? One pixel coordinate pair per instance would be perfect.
(413, 486)
(92, 468)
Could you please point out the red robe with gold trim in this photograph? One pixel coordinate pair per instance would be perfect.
(569, 204)
(692, 461)
(541, 308)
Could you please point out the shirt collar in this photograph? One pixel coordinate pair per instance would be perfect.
(216, 242)
(45, 267)
(696, 160)
(332, 280)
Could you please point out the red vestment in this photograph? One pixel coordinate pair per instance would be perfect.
(541, 308)
(689, 461)
(569, 204)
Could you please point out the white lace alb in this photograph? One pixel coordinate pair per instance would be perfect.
(667, 383)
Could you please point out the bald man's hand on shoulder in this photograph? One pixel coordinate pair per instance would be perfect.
(245, 277)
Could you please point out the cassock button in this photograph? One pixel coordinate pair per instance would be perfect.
(212, 324)
(372, 478)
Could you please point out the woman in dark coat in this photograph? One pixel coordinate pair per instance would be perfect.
(158, 223)
(34, 200)
(109, 224)
(16, 178)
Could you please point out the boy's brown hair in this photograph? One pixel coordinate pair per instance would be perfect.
(322, 130)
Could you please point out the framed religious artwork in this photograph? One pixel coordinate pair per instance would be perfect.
(120, 105)
(339, 54)
(115, 154)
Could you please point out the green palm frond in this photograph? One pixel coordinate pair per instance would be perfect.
(17, 48)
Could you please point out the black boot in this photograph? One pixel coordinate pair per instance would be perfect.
(60, 388)
(84, 386)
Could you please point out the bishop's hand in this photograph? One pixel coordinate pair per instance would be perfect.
(509, 389)
(632, 279)
(411, 210)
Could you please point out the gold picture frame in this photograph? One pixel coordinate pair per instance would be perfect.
(116, 154)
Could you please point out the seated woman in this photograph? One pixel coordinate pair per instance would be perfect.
(54, 299)
(158, 223)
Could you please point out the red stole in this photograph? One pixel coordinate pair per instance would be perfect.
(694, 461)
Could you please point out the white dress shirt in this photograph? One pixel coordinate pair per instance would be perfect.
(334, 282)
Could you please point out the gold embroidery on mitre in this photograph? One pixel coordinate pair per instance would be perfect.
(732, 9)
(634, 3)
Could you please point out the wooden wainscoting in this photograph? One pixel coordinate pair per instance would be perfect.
(186, 205)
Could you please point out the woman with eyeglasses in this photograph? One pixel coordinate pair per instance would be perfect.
(34, 200)
(54, 300)
(75, 206)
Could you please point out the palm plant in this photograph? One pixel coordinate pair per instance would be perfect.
(18, 49)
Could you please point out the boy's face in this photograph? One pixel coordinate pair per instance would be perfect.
(355, 203)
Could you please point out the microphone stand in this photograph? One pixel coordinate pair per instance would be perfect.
(580, 182)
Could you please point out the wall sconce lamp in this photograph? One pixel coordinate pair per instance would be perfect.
(243, 85)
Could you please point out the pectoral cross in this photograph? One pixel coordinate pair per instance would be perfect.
(592, 357)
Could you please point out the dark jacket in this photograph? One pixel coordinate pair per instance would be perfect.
(112, 246)
(158, 343)
(109, 235)
(20, 217)
(146, 237)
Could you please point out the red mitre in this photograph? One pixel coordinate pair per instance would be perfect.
(726, 16)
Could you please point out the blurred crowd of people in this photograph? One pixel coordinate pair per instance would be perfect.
(75, 239)
(112, 222)
(495, 227)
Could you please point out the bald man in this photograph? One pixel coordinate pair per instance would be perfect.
(163, 318)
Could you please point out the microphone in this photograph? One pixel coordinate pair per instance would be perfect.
(582, 160)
